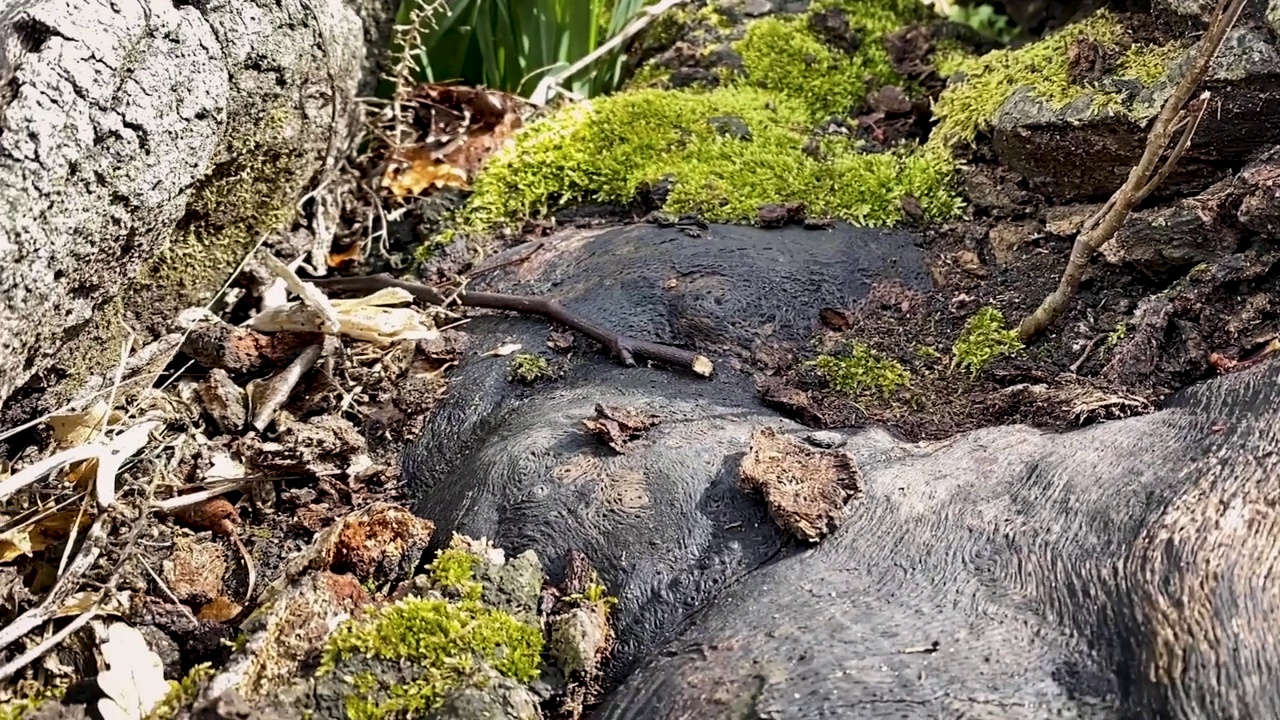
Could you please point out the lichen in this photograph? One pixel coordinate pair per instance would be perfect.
(443, 641)
(970, 103)
(861, 370)
(612, 148)
(984, 339)
(528, 368)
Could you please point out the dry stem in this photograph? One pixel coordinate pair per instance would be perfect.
(1144, 177)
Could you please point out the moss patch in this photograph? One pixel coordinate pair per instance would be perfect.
(455, 570)
(444, 641)
(249, 192)
(984, 339)
(182, 692)
(862, 371)
(970, 105)
(610, 149)
(527, 368)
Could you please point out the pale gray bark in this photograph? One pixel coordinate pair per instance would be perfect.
(115, 112)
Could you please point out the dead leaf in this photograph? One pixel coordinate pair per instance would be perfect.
(79, 428)
(372, 318)
(218, 516)
(419, 171)
(835, 319)
(560, 340)
(618, 426)
(220, 609)
(503, 350)
(34, 537)
(134, 679)
(352, 254)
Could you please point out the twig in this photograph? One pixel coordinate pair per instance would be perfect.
(37, 615)
(51, 642)
(1088, 350)
(625, 349)
(1141, 180)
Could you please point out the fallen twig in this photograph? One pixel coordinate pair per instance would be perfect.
(625, 349)
(1144, 176)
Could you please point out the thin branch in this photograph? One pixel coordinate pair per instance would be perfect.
(625, 349)
(1140, 181)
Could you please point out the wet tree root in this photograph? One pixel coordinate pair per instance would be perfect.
(625, 349)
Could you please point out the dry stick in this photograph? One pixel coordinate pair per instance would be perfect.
(1140, 182)
(625, 349)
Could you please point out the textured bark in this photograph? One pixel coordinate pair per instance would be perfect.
(143, 139)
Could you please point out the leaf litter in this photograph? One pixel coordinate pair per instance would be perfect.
(242, 467)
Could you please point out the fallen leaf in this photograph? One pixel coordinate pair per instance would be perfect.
(503, 350)
(134, 679)
(349, 255)
(618, 426)
(34, 537)
(371, 318)
(421, 170)
(220, 609)
(79, 428)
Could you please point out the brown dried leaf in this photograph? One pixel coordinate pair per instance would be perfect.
(217, 515)
(618, 426)
(29, 539)
(805, 488)
(420, 170)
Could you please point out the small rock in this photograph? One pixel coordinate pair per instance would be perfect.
(756, 8)
(731, 126)
(826, 439)
(578, 638)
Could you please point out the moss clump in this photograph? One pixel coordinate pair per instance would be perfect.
(862, 371)
(20, 708)
(610, 149)
(445, 643)
(1118, 333)
(527, 368)
(182, 692)
(455, 570)
(970, 106)
(984, 339)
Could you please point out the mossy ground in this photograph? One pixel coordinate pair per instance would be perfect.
(982, 84)
(472, 618)
(614, 147)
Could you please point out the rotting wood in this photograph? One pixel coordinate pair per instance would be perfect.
(625, 349)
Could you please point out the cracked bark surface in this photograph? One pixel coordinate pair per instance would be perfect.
(114, 118)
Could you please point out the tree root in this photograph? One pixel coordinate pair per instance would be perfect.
(625, 349)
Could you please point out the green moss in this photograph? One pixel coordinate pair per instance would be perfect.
(249, 192)
(182, 692)
(1117, 334)
(970, 106)
(454, 570)
(984, 339)
(528, 368)
(613, 147)
(23, 707)
(443, 641)
(862, 371)
(595, 594)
